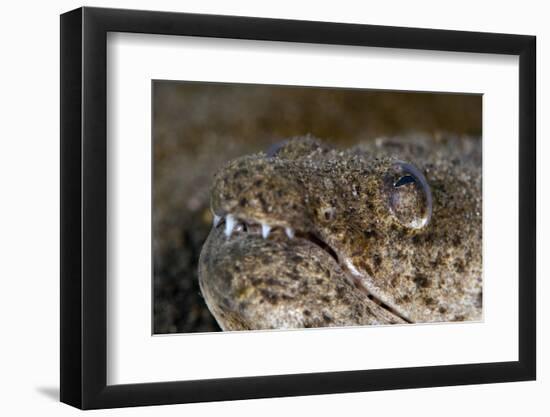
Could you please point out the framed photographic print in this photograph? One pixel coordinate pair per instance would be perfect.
(257, 208)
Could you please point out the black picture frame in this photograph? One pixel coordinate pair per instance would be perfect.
(84, 207)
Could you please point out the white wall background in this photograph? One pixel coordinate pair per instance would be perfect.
(29, 207)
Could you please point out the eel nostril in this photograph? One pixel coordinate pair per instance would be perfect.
(274, 148)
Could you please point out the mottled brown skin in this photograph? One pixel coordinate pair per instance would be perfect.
(355, 258)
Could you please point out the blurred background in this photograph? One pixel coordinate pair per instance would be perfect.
(199, 126)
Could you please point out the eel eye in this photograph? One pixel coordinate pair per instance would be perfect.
(410, 198)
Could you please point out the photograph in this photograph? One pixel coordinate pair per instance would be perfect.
(280, 207)
(257, 206)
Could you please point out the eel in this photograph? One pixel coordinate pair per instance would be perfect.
(386, 232)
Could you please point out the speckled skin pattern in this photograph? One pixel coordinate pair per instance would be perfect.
(308, 236)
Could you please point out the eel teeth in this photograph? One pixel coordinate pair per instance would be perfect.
(232, 224)
(265, 230)
(229, 225)
(289, 232)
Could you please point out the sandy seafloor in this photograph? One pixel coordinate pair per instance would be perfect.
(197, 127)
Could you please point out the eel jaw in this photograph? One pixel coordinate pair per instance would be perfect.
(363, 283)
(232, 224)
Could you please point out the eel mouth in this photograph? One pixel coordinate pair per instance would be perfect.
(235, 227)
